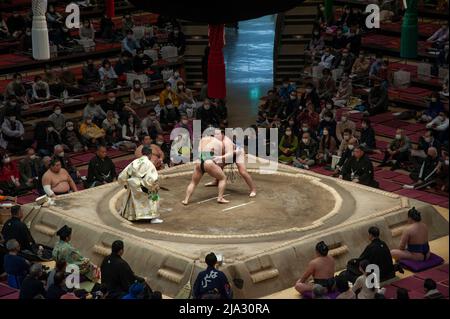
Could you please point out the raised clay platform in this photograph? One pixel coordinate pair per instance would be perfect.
(267, 241)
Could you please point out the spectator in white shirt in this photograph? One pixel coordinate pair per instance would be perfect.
(326, 61)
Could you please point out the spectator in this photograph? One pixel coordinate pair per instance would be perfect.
(344, 289)
(414, 241)
(398, 150)
(106, 27)
(14, 228)
(112, 128)
(108, 76)
(60, 267)
(378, 99)
(178, 39)
(127, 23)
(32, 286)
(426, 141)
(45, 166)
(137, 94)
(402, 294)
(309, 117)
(327, 86)
(17, 89)
(321, 269)
(53, 81)
(72, 138)
(347, 135)
(339, 41)
(90, 76)
(306, 153)
(345, 154)
(46, 138)
(360, 287)
(29, 168)
(430, 287)
(69, 81)
(58, 119)
(4, 32)
(377, 252)
(169, 115)
(16, 25)
(64, 250)
(58, 288)
(435, 106)
(354, 39)
(327, 59)
(189, 107)
(150, 124)
(12, 106)
(124, 64)
(343, 124)
(141, 61)
(425, 174)
(327, 147)
(16, 267)
(367, 136)
(57, 181)
(94, 111)
(442, 174)
(315, 45)
(66, 163)
(286, 88)
(130, 132)
(117, 274)
(288, 147)
(211, 283)
(184, 123)
(168, 93)
(359, 169)
(129, 43)
(40, 89)
(376, 65)
(440, 37)
(148, 41)
(344, 91)
(439, 125)
(310, 96)
(10, 178)
(174, 79)
(164, 146)
(113, 104)
(361, 65)
(91, 133)
(185, 94)
(101, 169)
(87, 34)
(329, 121)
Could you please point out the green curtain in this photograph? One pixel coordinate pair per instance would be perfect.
(409, 37)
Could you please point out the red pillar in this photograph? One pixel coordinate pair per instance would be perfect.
(216, 62)
(110, 8)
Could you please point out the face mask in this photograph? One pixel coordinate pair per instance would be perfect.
(89, 122)
(346, 137)
(327, 119)
(427, 139)
(70, 128)
(160, 143)
(207, 106)
(180, 87)
(308, 90)
(325, 133)
(141, 55)
(13, 103)
(112, 99)
(18, 81)
(288, 133)
(57, 112)
(344, 55)
(185, 122)
(152, 118)
(137, 87)
(446, 162)
(305, 140)
(304, 129)
(12, 118)
(327, 54)
(6, 160)
(442, 118)
(50, 129)
(329, 106)
(398, 136)
(61, 154)
(170, 106)
(176, 74)
(350, 147)
(291, 123)
(343, 118)
(433, 99)
(285, 85)
(293, 97)
(363, 125)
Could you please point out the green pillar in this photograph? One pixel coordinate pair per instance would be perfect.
(328, 10)
(409, 38)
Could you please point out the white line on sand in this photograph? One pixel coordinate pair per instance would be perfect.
(240, 205)
(207, 200)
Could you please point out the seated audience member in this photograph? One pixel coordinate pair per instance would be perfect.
(327, 147)
(431, 291)
(150, 124)
(425, 174)
(402, 294)
(16, 267)
(184, 123)
(360, 287)
(53, 81)
(108, 76)
(310, 96)
(129, 43)
(285, 89)
(112, 103)
(339, 41)
(101, 169)
(345, 61)
(130, 132)
(57, 181)
(168, 94)
(60, 266)
(9, 178)
(45, 166)
(91, 133)
(40, 89)
(189, 107)
(383, 75)
(71, 138)
(309, 117)
(128, 23)
(148, 41)
(66, 163)
(184, 94)
(12, 106)
(426, 141)
(378, 99)
(13, 133)
(137, 94)
(306, 153)
(329, 121)
(69, 81)
(169, 115)
(287, 147)
(327, 59)
(16, 24)
(376, 65)
(141, 61)
(439, 125)
(398, 150)
(315, 45)
(329, 108)
(58, 119)
(117, 274)
(63, 250)
(207, 115)
(344, 124)
(211, 283)
(344, 91)
(326, 87)
(90, 75)
(164, 146)
(174, 79)
(178, 39)
(345, 155)
(46, 138)
(442, 176)
(87, 34)
(367, 136)
(435, 106)
(347, 135)
(158, 157)
(32, 286)
(112, 128)
(58, 288)
(440, 36)
(29, 168)
(344, 289)
(124, 64)
(377, 252)
(106, 27)
(321, 269)
(361, 65)
(414, 241)
(359, 169)
(15, 228)
(94, 111)
(17, 89)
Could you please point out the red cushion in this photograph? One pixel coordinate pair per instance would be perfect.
(386, 174)
(6, 290)
(432, 199)
(411, 193)
(388, 186)
(403, 179)
(410, 283)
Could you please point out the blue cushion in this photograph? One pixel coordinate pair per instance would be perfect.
(416, 266)
(331, 295)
